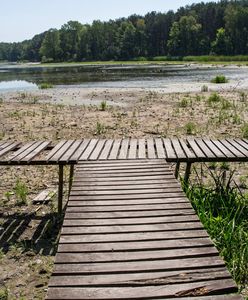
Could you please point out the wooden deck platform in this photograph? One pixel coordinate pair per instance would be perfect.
(130, 233)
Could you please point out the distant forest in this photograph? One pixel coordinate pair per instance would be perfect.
(199, 29)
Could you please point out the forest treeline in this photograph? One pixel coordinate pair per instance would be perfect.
(199, 29)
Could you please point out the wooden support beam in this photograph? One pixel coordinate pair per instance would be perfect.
(71, 178)
(177, 169)
(60, 190)
(187, 172)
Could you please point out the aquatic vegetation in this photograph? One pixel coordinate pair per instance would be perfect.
(219, 79)
(43, 86)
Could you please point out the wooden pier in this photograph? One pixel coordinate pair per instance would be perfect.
(130, 233)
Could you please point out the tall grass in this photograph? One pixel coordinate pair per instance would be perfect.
(223, 210)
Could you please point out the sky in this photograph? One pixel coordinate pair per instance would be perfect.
(22, 19)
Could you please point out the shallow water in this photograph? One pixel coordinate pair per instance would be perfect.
(18, 78)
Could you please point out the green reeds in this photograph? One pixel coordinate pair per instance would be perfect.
(223, 210)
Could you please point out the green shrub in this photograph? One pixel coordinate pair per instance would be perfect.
(43, 86)
(3, 294)
(214, 97)
(183, 103)
(219, 79)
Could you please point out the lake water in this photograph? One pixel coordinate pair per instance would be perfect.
(18, 78)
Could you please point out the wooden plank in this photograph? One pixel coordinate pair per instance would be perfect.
(44, 196)
(124, 149)
(35, 152)
(123, 187)
(89, 149)
(141, 279)
(61, 151)
(106, 150)
(133, 149)
(141, 236)
(205, 149)
(71, 150)
(140, 207)
(102, 180)
(232, 149)
(7, 147)
(170, 153)
(96, 152)
(115, 149)
(196, 149)
(160, 148)
(79, 152)
(222, 152)
(151, 149)
(28, 151)
(190, 155)
(139, 266)
(135, 256)
(240, 145)
(17, 153)
(148, 168)
(130, 221)
(178, 149)
(135, 245)
(141, 148)
(130, 228)
(91, 183)
(55, 150)
(148, 292)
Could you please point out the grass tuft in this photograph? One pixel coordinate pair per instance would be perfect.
(44, 86)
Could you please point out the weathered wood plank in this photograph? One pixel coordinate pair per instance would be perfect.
(160, 148)
(170, 153)
(145, 292)
(96, 152)
(61, 151)
(33, 153)
(141, 279)
(178, 149)
(124, 149)
(151, 154)
(7, 147)
(79, 152)
(106, 150)
(133, 149)
(26, 151)
(135, 245)
(141, 148)
(196, 149)
(115, 149)
(69, 153)
(89, 149)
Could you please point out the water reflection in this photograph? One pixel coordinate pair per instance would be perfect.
(20, 85)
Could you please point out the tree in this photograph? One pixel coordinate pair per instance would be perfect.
(185, 37)
(50, 49)
(222, 43)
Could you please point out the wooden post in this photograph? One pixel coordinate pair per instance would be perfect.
(187, 172)
(177, 169)
(60, 191)
(71, 178)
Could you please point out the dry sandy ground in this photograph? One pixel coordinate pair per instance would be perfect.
(28, 233)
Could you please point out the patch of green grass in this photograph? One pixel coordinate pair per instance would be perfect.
(44, 86)
(100, 128)
(214, 98)
(219, 79)
(223, 211)
(103, 105)
(21, 192)
(3, 293)
(183, 103)
(190, 128)
(244, 130)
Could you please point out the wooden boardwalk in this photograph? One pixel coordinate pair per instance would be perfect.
(172, 150)
(130, 233)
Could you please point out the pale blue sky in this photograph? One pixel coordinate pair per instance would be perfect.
(22, 19)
